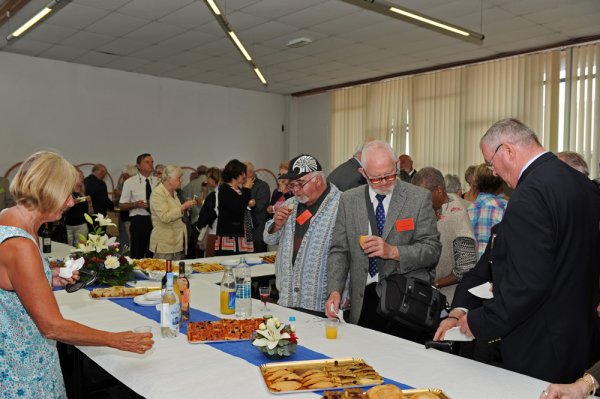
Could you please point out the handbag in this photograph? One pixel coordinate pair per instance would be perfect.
(410, 301)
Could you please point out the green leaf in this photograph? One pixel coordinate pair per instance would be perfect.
(88, 219)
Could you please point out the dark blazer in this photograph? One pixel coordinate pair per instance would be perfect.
(546, 259)
(346, 175)
(96, 189)
(260, 193)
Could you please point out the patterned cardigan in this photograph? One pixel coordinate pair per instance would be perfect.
(304, 283)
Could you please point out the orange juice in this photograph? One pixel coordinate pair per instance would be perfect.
(331, 332)
(227, 302)
(361, 240)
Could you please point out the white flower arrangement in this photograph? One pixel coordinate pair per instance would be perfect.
(275, 339)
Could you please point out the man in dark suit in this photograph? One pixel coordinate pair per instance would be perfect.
(408, 242)
(406, 164)
(261, 195)
(346, 175)
(543, 263)
(95, 187)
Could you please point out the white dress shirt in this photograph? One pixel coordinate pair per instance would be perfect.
(134, 189)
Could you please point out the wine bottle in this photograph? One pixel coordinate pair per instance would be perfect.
(46, 240)
(184, 288)
(170, 311)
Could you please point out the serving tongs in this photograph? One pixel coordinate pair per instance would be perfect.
(82, 283)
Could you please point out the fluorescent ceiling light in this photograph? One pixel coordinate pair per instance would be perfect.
(239, 45)
(260, 76)
(222, 20)
(429, 21)
(214, 7)
(53, 6)
(405, 14)
(31, 22)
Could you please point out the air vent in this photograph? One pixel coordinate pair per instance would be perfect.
(299, 42)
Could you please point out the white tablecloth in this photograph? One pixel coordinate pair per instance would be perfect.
(174, 368)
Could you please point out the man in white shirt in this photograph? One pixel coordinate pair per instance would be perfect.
(135, 198)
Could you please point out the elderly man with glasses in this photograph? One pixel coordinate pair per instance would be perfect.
(405, 239)
(303, 228)
(543, 258)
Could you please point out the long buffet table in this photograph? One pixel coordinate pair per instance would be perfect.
(175, 367)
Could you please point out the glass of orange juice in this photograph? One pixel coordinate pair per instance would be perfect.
(331, 328)
(361, 241)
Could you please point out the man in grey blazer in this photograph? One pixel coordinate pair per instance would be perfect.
(409, 243)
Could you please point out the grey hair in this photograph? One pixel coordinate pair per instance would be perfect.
(377, 145)
(170, 170)
(511, 131)
(574, 160)
(130, 170)
(429, 178)
(453, 184)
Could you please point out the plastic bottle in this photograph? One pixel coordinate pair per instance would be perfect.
(228, 292)
(243, 290)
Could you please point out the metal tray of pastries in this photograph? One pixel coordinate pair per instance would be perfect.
(318, 375)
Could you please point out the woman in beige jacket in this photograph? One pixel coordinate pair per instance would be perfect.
(169, 235)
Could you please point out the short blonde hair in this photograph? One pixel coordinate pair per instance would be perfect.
(43, 182)
(170, 170)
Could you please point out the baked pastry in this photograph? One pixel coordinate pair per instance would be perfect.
(387, 391)
(285, 385)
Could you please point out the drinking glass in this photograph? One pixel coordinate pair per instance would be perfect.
(265, 293)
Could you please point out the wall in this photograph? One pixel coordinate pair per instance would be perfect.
(94, 115)
(310, 121)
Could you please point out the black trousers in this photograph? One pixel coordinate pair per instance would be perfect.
(140, 230)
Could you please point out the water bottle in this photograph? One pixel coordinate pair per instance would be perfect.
(243, 285)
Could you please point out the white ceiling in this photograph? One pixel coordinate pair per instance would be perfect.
(180, 39)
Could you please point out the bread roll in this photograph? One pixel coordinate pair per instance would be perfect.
(425, 395)
(387, 391)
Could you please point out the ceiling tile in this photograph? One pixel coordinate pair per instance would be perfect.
(77, 16)
(122, 47)
(153, 9)
(88, 40)
(50, 33)
(156, 68)
(273, 9)
(104, 4)
(190, 16)
(63, 53)
(116, 24)
(127, 63)
(27, 46)
(155, 53)
(267, 31)
(318, 14)
(95, 58)
(154, 32)
(188, 40)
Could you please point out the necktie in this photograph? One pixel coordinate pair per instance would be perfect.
(380, 218)
(148, 192)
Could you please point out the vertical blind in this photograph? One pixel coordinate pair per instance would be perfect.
(439, 117)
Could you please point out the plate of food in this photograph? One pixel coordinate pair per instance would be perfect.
(386, 391)
(269, 258)
(317, 375)
(118, 291)
(206, 268)
(223, 330)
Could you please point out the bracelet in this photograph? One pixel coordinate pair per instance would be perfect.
(591, 382)
(591, 387)
(452, 317)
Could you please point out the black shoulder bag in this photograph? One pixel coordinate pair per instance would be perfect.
(407, 300)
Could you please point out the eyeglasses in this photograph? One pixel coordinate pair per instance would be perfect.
(380, 180)
(298, 185)
(490, 164)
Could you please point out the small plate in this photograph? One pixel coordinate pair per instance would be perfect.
(254, 261)
(231, 262)
(142, 300)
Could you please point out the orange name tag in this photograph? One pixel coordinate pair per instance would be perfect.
(304, 216)
(405, 224)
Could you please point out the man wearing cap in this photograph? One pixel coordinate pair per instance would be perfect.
(303, 228)
(399, 223)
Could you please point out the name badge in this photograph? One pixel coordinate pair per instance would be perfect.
(304, 216)
(405, 224)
